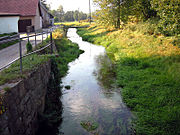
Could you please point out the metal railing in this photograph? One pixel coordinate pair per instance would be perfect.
(21, 56)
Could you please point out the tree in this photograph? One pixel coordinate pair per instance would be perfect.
(113, 12)
(61, 16)
(69, 16)
(169, 13)
(60, 13)
(82, 16)
(142, 9)
(76, 15)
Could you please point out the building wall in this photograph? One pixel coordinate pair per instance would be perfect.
(9, 24)
(45, 17)
(52, 21)
(37, 20)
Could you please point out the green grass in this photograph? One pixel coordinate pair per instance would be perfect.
(68, 52)
(12, 73)
(147, 67)
(8, 34)
(4, 45)
(73, 23)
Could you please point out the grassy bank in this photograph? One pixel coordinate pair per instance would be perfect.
(12, 74)
(68, 52)
(4, 45)
(148, 70)
(8, 34)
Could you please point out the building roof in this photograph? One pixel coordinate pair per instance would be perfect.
(22, 7)
(42, 6)
(9, 14)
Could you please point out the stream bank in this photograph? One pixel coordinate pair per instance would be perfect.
(89, 106)
(51, 118)
(147, 70)
(31, 105)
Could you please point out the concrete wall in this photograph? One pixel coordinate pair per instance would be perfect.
(24, 101)
(9, 24)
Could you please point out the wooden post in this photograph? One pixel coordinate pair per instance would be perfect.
(35, 39)
(51, 43)
(20, 54)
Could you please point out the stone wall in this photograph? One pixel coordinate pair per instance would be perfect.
(23, 102)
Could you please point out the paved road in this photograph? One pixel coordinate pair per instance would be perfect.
(12, 52)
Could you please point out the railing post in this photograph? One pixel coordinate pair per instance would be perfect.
(51, 43)
(42, 37)
(28, 37)
(47, 34)
(35, 39)
(20, 54)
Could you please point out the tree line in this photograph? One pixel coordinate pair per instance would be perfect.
(61, 16)
(118, 12)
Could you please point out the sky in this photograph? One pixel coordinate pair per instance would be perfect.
(71, 5)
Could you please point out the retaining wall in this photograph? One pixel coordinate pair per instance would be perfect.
(23, 101)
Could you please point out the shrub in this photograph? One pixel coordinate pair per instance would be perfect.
(29, 47)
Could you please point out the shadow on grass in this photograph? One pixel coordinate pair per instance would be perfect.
(152, 92)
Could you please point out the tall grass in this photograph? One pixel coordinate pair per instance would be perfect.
(148, 70)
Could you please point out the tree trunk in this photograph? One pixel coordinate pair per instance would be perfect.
(119, 14)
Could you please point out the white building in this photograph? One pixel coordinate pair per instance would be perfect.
(8, 22)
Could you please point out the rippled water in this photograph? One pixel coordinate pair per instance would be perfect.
(87, 100)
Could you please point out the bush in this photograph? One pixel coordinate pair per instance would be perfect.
(29, 47)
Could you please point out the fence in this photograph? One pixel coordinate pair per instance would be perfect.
(21, 56)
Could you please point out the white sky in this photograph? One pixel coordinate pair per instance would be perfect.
(71, 5)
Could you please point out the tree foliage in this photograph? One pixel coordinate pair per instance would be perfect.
(61, 16)
(116, 13)
(169, 13)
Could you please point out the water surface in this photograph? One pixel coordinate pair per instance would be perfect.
(88, 100)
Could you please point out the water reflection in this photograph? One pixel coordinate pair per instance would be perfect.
(88, 99)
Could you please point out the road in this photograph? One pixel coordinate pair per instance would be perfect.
(12, 52)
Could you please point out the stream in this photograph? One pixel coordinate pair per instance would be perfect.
(89, 108)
